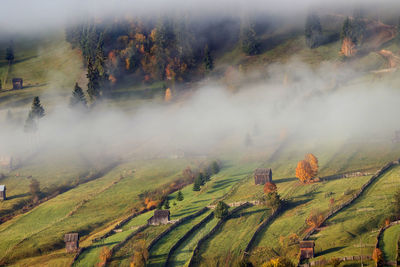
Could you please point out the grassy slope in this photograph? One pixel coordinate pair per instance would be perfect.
(360, 221)
(159, 253)
(48, 66)
(84, 208)
(388, 243)
(234, 236)
(183, 254)
(54, 54)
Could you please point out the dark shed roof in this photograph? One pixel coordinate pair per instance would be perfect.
(307, 244)
(72, 237)
(262, 171)
(161, 213)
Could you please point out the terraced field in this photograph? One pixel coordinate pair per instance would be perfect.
(231, 240)
(388, 243)
(360, 222)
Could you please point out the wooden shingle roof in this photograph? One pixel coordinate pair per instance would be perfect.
(161, 213)
(71, 237)
(307, 244)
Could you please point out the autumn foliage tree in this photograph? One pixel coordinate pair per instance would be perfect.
(315, 219)
(140, 255)
(304, 171)
(105, 255)
(168, 95)
(310, 158)
(377, 256)
(269, 188)
(307, 169)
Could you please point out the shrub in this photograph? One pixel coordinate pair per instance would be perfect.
(221, 211)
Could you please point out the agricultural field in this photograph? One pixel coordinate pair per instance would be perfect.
(89, 186)
(360, 222)
(388, 243)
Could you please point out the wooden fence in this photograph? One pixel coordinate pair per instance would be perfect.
(186, 236)
(179, 222)
(213, 231)
(355, 196)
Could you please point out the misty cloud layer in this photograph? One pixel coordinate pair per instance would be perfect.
(28, 16)
(294, 99)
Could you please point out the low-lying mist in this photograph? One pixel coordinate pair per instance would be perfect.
(289, 100)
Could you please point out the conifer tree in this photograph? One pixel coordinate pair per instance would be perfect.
(208, 61)
(197, 184)
(201, 178)
(221, 211)
(166, 204)
(37, 109)
(313, 31)
(248, 38)
(10, 54)
(100, 64)
(36, 112)
(180, 196)
(78, 98)
(94, 83)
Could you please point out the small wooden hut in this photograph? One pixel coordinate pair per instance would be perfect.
(159, 217)
(262, 176)
(71, 242)
(2, 192)
(306, 249)
(17, 83)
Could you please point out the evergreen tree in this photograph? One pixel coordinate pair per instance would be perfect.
(180, 196)
(164, 40)
(197, 184)
(249, 41)
(215, 167)
(313, 31)
(10, 54)
(37, 109)
(36, 112)
(359, 27)
(347, 29)
(166, 204)
(201, 178)
(78, 98)
(100, 64)
(208, 61)
(94, 83)
(221, 211)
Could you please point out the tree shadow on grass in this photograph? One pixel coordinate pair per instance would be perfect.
(329, 250)
(247, 213)
(17, 196)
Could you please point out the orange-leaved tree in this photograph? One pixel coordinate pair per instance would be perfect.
(304, 171)
(313, 163)
(315, 219)
(377, 256)
(168, 95)
(269, 188)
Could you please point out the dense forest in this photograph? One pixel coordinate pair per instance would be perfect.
(164, 49)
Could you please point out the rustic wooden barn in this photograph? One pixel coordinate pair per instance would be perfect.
(2, 192)
(306, 249)
(71, 242)
(262, 176)
(17, 83)
(159, 217)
